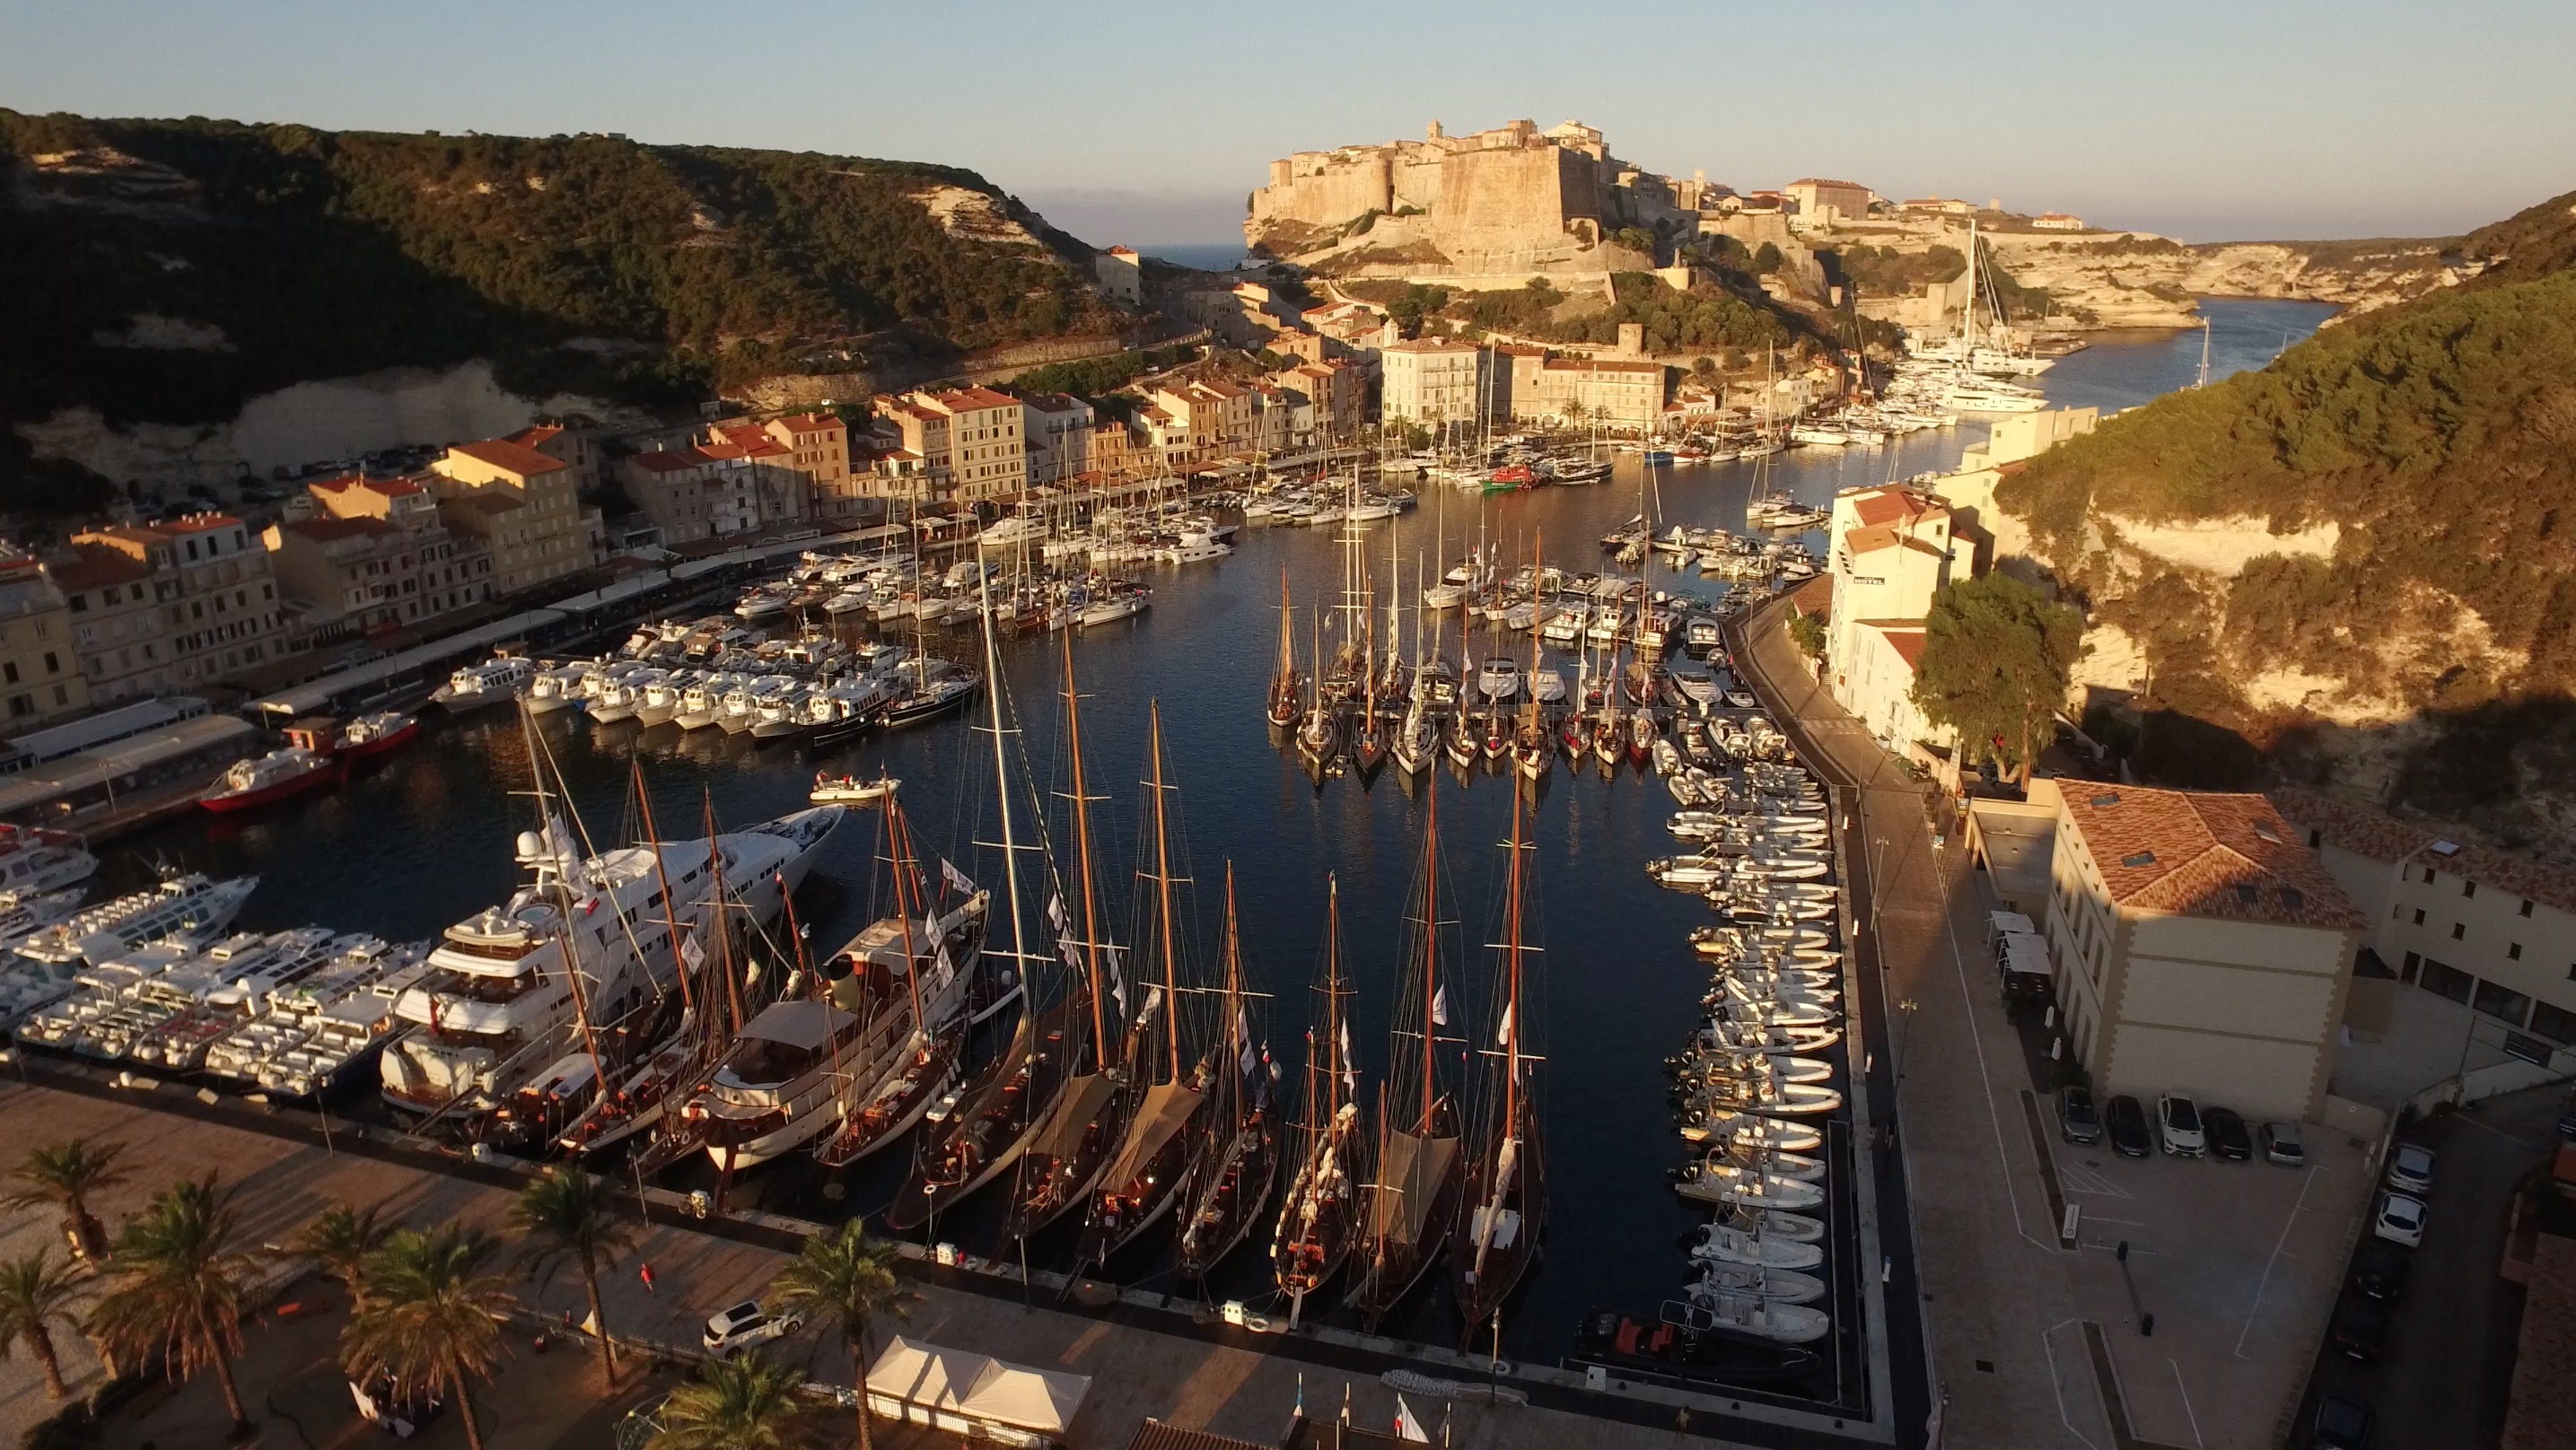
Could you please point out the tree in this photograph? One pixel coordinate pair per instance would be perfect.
(34, 1292)
(431, 1320)
(1635, 239)
(1996, 659)
(69, 1174)
(743, 1403)
(339, 1242)
(1766, 259)
(1809, 633)
(843, 1277)
(176, 1286)
(568, 1215)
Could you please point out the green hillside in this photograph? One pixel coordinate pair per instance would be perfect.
(2439, 436)
(287, 253)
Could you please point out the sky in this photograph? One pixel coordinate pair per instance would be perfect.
(2257, 119)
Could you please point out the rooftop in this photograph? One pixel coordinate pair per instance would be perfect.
(1889, 505)
(811, 422)
(668, 460)
(1600, 365)
(968, 399)
(2204, 853)
(536, 435)
(2382, 837)
(329, 530)
(510, 457)
(93, 566)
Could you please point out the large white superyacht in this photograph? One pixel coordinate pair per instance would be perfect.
(499, 1005)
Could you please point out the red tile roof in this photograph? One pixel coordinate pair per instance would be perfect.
(966, 399)
(668, 460)
(535, 435)
(1888, 505)
(1907, 641)
(2204, 853)
(326, 530)
(812, 422)
(2382, 837)
(193, 524)
(511, 457)
(95, 566)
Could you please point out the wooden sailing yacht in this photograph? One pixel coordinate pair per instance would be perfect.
(1317, 1219)
(1284, 703)
(1233, 1187)
(1319, 740)
(1166, 1137)
(1505, 1203)
(1534, 745)
(1071, 1142)
(1410, 1203)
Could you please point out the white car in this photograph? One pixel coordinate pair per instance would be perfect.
(747, 1323)
(2400, 1219)
(2178, 1129)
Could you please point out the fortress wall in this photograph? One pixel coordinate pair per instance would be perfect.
(1417, 180)
(1493, 199)
(1329, 197)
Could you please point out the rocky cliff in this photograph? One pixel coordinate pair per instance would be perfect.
(2131, 279)
(2357, 567)
(166, 273)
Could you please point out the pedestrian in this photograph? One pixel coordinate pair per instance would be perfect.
(646, 1272)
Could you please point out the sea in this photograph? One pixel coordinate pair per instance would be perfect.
(423, 839)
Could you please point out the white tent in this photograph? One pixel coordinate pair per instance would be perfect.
(953, 1389)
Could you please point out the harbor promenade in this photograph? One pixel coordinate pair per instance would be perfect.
(550, 1399)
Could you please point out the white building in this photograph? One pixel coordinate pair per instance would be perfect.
(1433, 381)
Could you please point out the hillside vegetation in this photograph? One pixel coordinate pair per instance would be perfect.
(2437, 439)
(164, 271)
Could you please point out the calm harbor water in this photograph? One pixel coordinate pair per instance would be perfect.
(424, 839)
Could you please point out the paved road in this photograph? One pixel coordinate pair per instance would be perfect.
(2450, 1354)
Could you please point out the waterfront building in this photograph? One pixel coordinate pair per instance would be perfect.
(1433, 381)
(215, 587)
(1613, 392)
(1056, 429)
(1206, 417)
(2488, 937)
(117, 623)
(346, 577)
(2199, 948)
(40, 672)
(972, 441)
(521, 505)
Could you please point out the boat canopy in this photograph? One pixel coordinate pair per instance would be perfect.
(1062, 1133)
(1166, 1108)
(1408, 1178)
(806, 1025)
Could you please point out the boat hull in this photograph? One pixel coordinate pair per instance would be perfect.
(314, 779)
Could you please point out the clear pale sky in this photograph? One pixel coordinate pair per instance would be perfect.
(1149, 123)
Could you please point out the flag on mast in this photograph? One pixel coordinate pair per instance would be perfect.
(1440, 1006)
(1503, 1038)
(957, 880)
(1407, 1427)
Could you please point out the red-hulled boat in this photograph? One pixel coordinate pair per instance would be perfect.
(375, 734)
(272, 777)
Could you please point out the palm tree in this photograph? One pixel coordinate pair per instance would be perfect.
(744, 1403)
(69, 1174)
(176, 1286)
(430, 1321)
(845, 1278)
(33, 1294)
(568, 1214)
(340, 1242)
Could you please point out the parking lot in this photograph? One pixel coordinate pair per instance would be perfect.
(2446, 1361)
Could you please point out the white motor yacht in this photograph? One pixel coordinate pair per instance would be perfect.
(310, 1033)
(179, 904)
(35, 861)
(489, 683)
(1499, 678)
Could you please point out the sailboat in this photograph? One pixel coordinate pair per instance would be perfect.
(1071, 1143)
(1505, 1204)
(1233, 1186)
(1534, 746)
(1167, 1132)
(1283, 701)
(1409, 1206)
(1319, 740)
(1317, 1220)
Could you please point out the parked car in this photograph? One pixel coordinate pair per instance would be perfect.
(2379, 1268)
(2226, 1133)
(2178, 1128)
(2359, 1328)
(747, 1323)
(2341, 1424)
(2077, 1119)
(2126, 1122)
(2282, 1145)
(2410, 1169)
(2400, 1219)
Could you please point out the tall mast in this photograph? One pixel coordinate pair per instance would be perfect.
(662, 873)
(1516, 1029)
(1002, 792)
(1430, 941)
(1234, 1043)
(1163, 897)
(1082, 858)
(724, 929)
(1333, 991)
(898, 838)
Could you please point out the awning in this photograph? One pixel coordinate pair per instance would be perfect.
(2000, 923)
(1409, 1176)
(977, 1387)
(2027, 955)
(1167, 1107)
(802, 1024)
(1060, 1136)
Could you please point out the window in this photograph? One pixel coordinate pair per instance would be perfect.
(2468, 888)
(2414, 962)
(53, 666)
(9, 671)
(2447, 981)
(2526, 907)
(2513, 953)
(62, 695)
(2502, 1003)
(2419, 916)
(2555, 1023)
(2459, 931)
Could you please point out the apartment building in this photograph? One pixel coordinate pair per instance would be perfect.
(348, 577)
(1434, 381)
(216, 588)
(1891, 550)
(2200, 948)
(1209, 417)
(40, 672)
(522, 507)
(1121, 273)
(2484, 928)
(1056, 429)
(571, 446)
(1612, 392)
(117, 624)
(972, 441)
